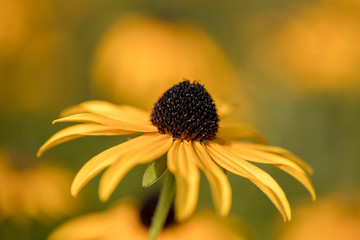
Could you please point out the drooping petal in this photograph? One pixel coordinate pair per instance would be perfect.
(146, 151)
(120, 112)
(282, 152)
(99, 119)
(219, 183)
(278, 161)
(108, 157)
(182, 163)
(263, 180)
(77, 131)
(239, 131)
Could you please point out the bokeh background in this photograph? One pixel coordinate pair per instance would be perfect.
(289, 68)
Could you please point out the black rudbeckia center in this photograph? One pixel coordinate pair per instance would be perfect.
(186, 111)
(148, 210)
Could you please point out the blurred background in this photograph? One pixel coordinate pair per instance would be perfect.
(289, 68)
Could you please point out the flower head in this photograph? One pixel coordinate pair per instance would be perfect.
(130, 220)
(185, 126)
(186, 111)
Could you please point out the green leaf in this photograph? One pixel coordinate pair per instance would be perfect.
(154, 171)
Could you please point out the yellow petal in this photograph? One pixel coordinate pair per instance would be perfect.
(182, 163)
(282, 152)
(260, 178)
(78, 131)
(219, 183)
(106, 158)
(280, 162)
(98, 119)
(239, 131)
(120, 112)
(146, 151)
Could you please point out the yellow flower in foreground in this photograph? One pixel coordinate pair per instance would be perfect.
(184, 124)
(331, 218)
(38, 192)
(127, 221)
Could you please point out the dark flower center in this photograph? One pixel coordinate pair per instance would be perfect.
(148, 210)
(186, 111)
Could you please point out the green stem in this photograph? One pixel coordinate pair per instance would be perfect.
(163, 206)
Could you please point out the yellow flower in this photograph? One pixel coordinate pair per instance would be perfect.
(184, 124)
(33, 68)
(331, 218)
(155, 54)
(33, 192)
(317, 47)
(127, 221)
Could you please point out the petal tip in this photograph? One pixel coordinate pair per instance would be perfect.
(313, 197)
(181, 217)
(104, 192)
(224, 212)
(39, 153)
(74, 189)
(41, 150)
(73, 192)
(103, 196)
(286, 216)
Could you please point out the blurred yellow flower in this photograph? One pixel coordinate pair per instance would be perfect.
(32, 65)
(33, 191)
(184, 124)
(140, 56)
(318, 47)
(330, 218)
(126, 221)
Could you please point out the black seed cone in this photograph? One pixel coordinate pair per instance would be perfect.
(148, 210)
(186, 111)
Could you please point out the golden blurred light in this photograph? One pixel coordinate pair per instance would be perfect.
(31, 56)
(318, 47)
(331, 218)
(123, 221)
(29, 191)
(140, 56)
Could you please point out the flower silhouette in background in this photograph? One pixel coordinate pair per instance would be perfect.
(32, 57)
(130, 220)
(314, 48)
(184, 125)
(29, 191)
(331, 218)
(155, 54)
